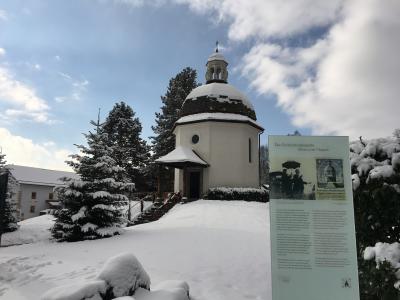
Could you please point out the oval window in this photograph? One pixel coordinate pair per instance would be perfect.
(195, 139)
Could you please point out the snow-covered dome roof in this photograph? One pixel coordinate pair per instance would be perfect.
(217, 96)
(216, 56)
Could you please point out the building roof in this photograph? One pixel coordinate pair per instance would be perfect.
(38, 176)
(217, 97)
(218, 117)
(216, 89)
(180, 157)
(216, 56)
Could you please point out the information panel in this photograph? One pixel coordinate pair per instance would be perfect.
(312, 219)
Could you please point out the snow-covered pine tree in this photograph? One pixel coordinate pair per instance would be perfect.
(164, 141)
(10, 210)
(92, 203)
(129, 150)
(375, 166)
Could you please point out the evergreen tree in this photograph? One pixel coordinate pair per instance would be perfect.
(375, 167)
(164, 141)
(10, 211)
(264, 164)
(130, 151)
(92, 203)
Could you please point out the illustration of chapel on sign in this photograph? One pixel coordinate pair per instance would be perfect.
(217, 137)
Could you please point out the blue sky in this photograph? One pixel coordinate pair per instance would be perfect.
(62, 60)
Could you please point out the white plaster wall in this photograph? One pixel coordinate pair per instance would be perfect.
(224, 145)
(42, 194)
(183, 134)
(229, 157)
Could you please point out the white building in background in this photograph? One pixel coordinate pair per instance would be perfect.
(34, 191)
(217, 137)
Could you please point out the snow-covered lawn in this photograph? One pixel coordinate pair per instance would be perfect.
(30, 231)
(220, 248)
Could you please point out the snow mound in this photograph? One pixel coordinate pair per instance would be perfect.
(171, 285)
(123, 274)
(32, 230)
(173, 294)
(87, 290)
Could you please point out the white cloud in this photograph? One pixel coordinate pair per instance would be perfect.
(2, 52)
(37, 67)
(23, 151)
(22, 99)
(346, 83)
(57, 58)
(260, 18)
(3, 15)
(78, 88)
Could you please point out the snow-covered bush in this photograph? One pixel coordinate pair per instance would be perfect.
(124, 274)
(123, 278)
(376, 188)
(247, 194)
(385, 269)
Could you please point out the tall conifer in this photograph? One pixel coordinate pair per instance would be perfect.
(10, 210)
(92, 202)
(130, 151)
(164, 141)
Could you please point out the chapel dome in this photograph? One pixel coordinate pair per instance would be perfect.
(217, 95)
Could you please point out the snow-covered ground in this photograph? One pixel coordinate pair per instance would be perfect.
(220, 248)
(30, 231)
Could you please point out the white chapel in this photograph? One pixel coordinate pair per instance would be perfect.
(217, 137)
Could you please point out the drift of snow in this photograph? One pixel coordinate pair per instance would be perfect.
(86, 290)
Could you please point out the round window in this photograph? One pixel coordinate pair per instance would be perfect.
(195, 139)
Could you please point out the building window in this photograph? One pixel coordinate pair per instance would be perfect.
(32, 210)
(51, 196)
(249, 150)
(33, 195)
(195, 139)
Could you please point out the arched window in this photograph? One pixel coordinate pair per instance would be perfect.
(249, 150)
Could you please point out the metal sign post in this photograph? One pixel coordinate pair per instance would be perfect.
(3, 195)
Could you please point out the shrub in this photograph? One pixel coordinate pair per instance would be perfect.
(246, 194)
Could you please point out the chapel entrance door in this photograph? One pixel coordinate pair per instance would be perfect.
(194, 185)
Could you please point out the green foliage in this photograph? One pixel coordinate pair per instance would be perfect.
(264, 164)
(377, 283)
(376, 194)
(92, 202)
(246, 194)
(10, 211)
(129, 150)
(164, 140)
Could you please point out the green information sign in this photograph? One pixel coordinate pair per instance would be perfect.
(313, 244)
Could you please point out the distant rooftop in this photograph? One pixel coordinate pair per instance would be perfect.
(38, 176)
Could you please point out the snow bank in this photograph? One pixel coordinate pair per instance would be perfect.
(124, 274)
(32, 230)
(173, 294)
(87, 290)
